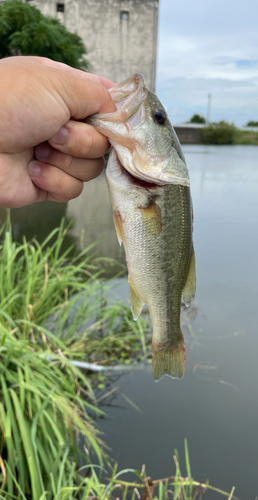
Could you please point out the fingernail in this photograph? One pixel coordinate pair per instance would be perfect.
(60, 136)
(34, 169)
(42, 151)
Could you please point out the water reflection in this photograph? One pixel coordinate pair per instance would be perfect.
(90, 218)
(215, 405)
(92, 214)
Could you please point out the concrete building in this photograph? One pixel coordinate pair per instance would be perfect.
(120, 35)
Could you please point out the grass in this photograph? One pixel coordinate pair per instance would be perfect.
(53, 307)
(177, 486)
(46, 408)
(86, 482)
(57, 301)
(221, 133)
(246, 137)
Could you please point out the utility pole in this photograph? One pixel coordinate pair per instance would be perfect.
(209, 109)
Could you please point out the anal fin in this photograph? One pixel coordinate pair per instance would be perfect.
(190, 286)
(136, 301)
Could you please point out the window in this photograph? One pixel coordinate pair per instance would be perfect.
(60, 7)
(124, 14)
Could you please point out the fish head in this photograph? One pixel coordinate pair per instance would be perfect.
(142, 135)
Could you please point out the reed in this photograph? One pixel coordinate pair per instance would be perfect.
(57, 300)
(53, 309)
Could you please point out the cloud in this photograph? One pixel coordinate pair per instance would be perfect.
(209, 48)
(231, 101)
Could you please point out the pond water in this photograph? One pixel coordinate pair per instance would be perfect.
(215, 405)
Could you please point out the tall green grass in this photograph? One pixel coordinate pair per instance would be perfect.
(53, 308)
(46, 408)
(57, 300)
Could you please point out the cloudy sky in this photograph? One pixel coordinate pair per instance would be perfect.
(208, 47)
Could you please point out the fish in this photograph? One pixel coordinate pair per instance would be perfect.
(149, 187)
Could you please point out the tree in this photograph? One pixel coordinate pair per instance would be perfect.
(197, 119)
(25, 31)
(252, 124)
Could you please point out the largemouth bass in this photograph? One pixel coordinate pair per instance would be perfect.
(148, 183)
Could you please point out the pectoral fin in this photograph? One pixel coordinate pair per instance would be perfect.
(190, 286)
(119, 228)
(136, 301)
(152, 218)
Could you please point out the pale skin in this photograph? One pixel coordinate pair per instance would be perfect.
(46, 151)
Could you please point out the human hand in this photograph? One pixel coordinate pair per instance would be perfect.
(46, 152)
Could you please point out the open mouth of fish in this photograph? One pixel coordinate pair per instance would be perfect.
(136, 181)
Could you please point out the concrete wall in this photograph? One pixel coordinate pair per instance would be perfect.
(188, 134)
(120, 35)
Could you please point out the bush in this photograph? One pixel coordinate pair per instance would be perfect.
(197, 119)
(218, 133)
(252, 124)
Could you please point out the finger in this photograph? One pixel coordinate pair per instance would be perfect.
(80, 140)
(54, 98)
(17, 190)
(60, 186)
(77, 72)
(83, 169)
(83, 97)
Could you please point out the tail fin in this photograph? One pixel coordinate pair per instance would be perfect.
(168, 362)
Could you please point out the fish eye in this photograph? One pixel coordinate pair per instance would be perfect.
(159, 116)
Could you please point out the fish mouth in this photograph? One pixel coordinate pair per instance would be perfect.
(136, 181)
(129, 95)
(141, 179)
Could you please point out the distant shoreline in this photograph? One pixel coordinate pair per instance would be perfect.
(190, 133)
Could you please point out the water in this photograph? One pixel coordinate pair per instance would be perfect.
(215, 405)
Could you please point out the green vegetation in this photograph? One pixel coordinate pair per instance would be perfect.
(218, 133)
(43, 411)
(252, 124)
(45, 295)
(197, 119)
(227, 133)
(246, 137)
(45, 287)
(25, 31)
(47, 405)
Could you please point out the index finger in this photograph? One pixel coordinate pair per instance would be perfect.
(73, 71)
(81, 95)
